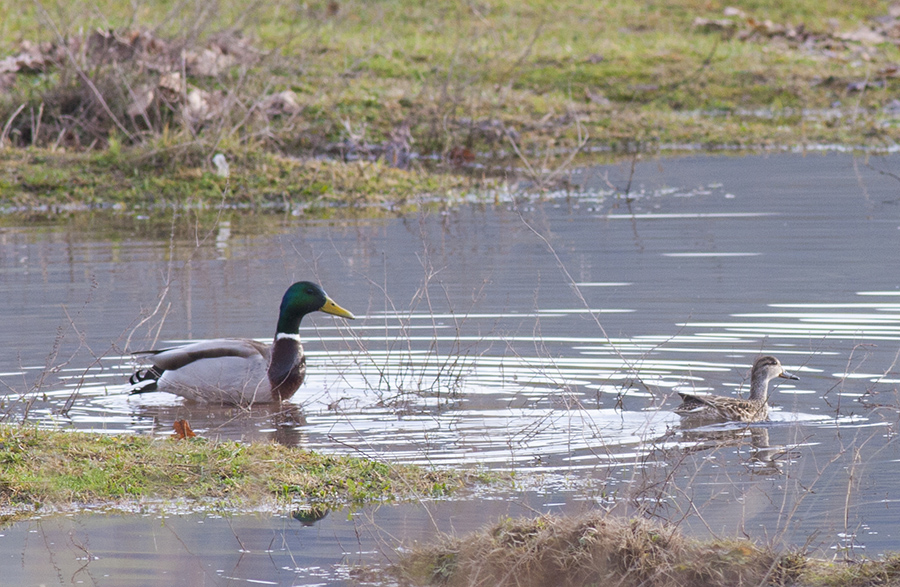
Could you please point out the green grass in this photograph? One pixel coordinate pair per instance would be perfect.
(140, 180)
(55, 468)
(436, 66)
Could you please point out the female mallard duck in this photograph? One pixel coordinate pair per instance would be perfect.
(753, 409)
(241, 371)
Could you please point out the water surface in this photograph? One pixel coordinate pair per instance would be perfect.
(547, 335)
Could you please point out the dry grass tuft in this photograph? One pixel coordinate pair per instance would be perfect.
(885, 572)
(590, 550)
(596, 549)
(82, 90)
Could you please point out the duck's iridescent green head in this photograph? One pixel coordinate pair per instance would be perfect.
(301, 299)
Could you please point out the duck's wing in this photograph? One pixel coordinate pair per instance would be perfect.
(729, 408)
(691, 402)
(222, 380)
(709, 406)
(174, 358)
(224, 370)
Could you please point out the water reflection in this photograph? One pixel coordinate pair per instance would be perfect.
(751, 442)
(311, 514)
(281, 424)
(175, 550)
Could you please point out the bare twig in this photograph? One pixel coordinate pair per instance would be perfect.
(9, 124)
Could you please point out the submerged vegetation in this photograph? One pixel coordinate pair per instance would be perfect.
(160, 89)
(44, 468)
(596, 549)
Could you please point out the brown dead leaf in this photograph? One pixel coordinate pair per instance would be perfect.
(733, 11)
(710, 24)
(142, 98)
(597, 98)
(183, 430)
(863, 35)
(460, 155)
(202, 106)
(208, 62)
(281, 103)
(172, 83)
(30, 59)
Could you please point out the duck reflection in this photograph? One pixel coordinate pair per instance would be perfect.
(277, 423)
(760, 458)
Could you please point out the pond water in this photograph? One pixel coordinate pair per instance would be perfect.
(547, 335)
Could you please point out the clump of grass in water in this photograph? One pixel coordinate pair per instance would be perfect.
(582, 551)
(596, 548)
(55, 468)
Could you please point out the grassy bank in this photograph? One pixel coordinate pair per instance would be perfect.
(597, 549)
(36, 180)
(161, 89)
(61, 468)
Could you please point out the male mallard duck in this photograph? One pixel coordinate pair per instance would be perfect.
(753, 409)
(241, 371)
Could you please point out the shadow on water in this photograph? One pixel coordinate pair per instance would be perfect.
(549, 336)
